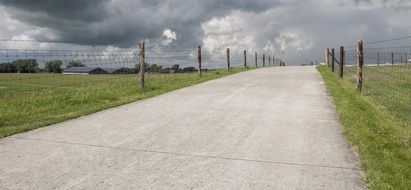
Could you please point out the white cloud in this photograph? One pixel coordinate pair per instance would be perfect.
(168, 37)
(293, 40)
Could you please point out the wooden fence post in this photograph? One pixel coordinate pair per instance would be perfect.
(263, 60)
(327, 56)
(332, 60)
(228, 58)
(360, 63)
(245, 58)
(378, 58)
(342, 56)
(406, 58)
(392, 58)
(199, 60)
(142, 63)
(269, 60)
(255, 56)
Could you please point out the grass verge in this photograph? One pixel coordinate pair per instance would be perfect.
(382, 141)
(61, 99)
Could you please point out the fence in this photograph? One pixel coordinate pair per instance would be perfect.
(27, 66)
(381, 73)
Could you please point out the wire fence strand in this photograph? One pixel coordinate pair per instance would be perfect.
(40, 68)
(386, 76)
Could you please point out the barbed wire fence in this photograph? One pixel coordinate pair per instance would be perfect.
(47, 67)
(378, 71)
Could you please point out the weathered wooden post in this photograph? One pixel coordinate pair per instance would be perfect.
(255, 57)
(360, 63)
(406, 58)
(342, 56)
(269, 61)
(142, 63)
(199, 60)
(378, 58)
(327, 57)
(245, 58)
(263, 60)
(332, 60)
(392, 58)
(228, 58)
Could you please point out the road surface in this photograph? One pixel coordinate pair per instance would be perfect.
(270, 128)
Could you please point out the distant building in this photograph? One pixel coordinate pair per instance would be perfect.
(122, 70)
(84, 70)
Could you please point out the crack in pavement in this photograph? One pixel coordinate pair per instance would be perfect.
(191, 155)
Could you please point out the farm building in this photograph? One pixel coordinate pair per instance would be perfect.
(84, 70)
(122, 70)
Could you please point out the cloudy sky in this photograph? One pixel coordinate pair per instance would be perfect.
(297, 30)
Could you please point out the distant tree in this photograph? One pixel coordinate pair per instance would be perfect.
(152, 68)
(7, 68)
(176, 68)
(189, 69)
(26, 65)
(75, 64)
(54, 66)
(160, 69)
(146, 67)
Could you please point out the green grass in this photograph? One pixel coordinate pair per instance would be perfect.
(30, 101)
(382, 140)
(388, 86)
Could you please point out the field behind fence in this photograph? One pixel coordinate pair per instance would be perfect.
(46, 83)
(27, 66)
(377, 71)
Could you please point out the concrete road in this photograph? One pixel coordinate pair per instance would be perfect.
(270, 128)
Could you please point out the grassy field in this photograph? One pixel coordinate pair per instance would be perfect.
(388, 86)
(379, 135)
(30, 101)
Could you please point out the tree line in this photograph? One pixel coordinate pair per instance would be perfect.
(56, 66)
(32, 66)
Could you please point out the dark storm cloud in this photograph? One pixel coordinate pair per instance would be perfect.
(81, 10)
(123, 21)
(296, 29)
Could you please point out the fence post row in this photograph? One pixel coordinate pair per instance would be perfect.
(199, 60)
(142, 64)
(332, 60)
(255, 56)
(228, 58)
(360, 63)
(245, 58)
(342, 55)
